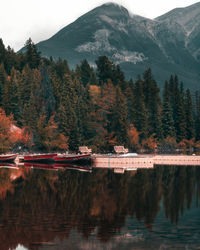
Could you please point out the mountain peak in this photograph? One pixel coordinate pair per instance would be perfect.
(168, 44)
(111, 9)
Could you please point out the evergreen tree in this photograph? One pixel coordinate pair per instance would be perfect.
(104, 69)
(32, 55)
(139, 111)
(61, 68)
(2, 52)
(3, 82)
(153, 104)
(189, 116)
(167, 114)
(45, 96)
(85, 72)
(177, 100)
(120, 118)
(10, 95)
(197, 117)
(104, 117)
(66, 112)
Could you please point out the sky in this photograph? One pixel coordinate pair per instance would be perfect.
(41, 19)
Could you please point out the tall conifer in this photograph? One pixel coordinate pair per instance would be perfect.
(167, 114)
(189, 116)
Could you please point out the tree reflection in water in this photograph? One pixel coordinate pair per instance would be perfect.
(39, 207)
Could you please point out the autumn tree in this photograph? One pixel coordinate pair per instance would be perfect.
(48, 137)
(133, 138)
(5, 131)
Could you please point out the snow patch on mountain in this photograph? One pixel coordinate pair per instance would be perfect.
(129, 56)
(101, 43)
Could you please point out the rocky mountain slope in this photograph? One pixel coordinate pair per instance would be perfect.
(169, 44)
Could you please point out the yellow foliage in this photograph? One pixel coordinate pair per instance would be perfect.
(133, 136)
(95, 92)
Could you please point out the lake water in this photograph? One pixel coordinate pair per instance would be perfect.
(99, 209)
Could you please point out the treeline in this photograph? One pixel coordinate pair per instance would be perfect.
(62, 108)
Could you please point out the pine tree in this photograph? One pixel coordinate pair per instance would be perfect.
(3, 82)
(120, 119)
(104, 69)
(189, 116)
(153, 104)
(85, 72)
(10, 95)
(139, 111)
(104, 117)
(177, 100)
(66, 112)
(167, 114)
(45, 99)
(2, 52)
(32, 55)
(197, 116)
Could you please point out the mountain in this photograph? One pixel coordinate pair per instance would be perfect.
(189, 19)
(169, 44)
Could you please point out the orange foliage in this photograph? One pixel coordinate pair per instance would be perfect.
(133, 136)
(11, 134)
(186, 144)
(150, 143)
(95, 93)
(50, 138)
(22, 136)
(5, 133)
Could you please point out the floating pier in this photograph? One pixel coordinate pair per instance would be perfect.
(120, 163)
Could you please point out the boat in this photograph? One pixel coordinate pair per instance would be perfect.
(8, 157)
(39, 157)
(72, 157)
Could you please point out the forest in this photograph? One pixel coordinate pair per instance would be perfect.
(46, 106)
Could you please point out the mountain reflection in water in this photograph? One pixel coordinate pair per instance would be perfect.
(98, 209)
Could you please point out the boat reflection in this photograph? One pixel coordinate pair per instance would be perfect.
(55, 167)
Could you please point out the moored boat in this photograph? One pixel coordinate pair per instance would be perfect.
(8, 157)
(39, 157)
(72, 157)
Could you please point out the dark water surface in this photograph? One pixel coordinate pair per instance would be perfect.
(98, 209)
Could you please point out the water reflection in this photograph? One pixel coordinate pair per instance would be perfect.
(67, 209)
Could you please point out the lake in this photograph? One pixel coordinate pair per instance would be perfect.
(98, 209)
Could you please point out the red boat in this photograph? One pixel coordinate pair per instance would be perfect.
(72, 157)
(39, 157)
(8, 157)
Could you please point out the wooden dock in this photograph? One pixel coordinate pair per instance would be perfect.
(120, 163)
